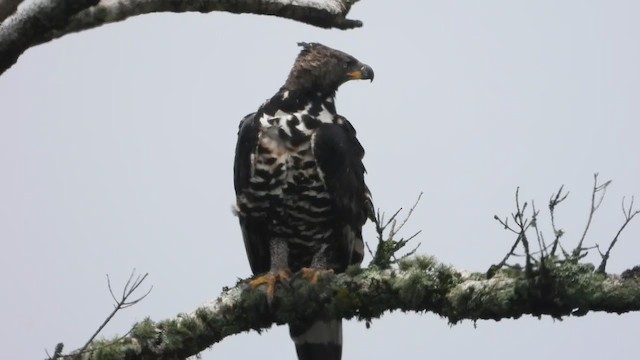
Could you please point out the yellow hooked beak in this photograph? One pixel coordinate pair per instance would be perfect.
(362, 73)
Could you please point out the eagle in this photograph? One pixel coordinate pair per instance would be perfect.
(301, 198)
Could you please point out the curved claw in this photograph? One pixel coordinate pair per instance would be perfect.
(312, 274)
(271, 279)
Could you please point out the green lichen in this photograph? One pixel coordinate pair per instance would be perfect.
(144, 330)
(555, 288)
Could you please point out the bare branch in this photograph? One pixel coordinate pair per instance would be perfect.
(369, 249)
(511, 252)
(404, 222)
(523, 225)
(388, 246)
(629, 213)
(534, 223)
(31, 24)
(505, 224)
(410, 253)
(8, 7)
(123, 303)
(595, 204)
(554, 201)
(52, 19)
(580, 252)
(111, 291)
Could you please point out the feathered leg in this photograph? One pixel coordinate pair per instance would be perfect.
(279, 251)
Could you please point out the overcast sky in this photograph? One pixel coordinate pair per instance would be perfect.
(116, 151)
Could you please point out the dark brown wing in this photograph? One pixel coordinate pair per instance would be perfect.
(254, 229)
(339, 156)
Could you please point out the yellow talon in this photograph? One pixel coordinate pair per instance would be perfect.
(271, 279)
(311, 273)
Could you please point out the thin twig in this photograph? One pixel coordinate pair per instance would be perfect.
(384, 255)
(509, 254)
(505, 224)
(533, 253)
(404, 222)
(523, 225)
(629, 214)
(129, 288)
(534, 223)
(368, 249)
(554, 201)
(594, 207)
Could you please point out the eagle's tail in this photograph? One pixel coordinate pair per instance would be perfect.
(321, 340)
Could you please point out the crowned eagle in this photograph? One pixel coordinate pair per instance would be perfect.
(299, 179)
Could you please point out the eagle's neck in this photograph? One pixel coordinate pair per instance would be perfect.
(287, 95)
(297, 113)
(315, 104)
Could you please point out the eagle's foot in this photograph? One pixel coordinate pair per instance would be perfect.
(312, 274)
(271, 279)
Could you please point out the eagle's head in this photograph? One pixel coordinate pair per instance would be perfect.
(321, 69)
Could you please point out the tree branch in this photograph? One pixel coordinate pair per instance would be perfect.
(595, 204)
(554, 201)
(388, 246)
(8, 7)
(629, 214)
(546, 285)
(419, 284)
(31, 24)
(45, 20)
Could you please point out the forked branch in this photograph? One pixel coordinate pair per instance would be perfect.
(387, 232)
(598, 190)
(629, 213)
(122, 302)
(543, 257)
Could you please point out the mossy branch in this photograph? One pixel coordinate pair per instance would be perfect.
(547, 284)
(419, 284)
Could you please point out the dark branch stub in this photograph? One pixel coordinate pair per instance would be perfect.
(57, 353)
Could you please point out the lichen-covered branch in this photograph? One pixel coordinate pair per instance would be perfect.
(417, 284)
(547, 284)
(45, 20)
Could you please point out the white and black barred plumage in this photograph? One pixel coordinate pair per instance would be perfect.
(299, 180)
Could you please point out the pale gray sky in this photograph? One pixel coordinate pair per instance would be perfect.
(116, 150)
